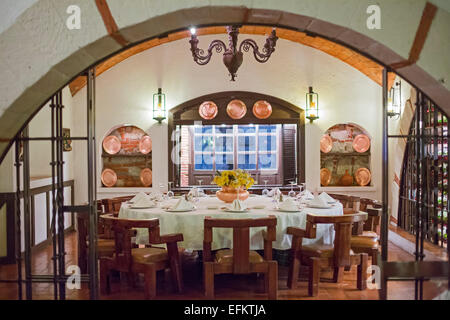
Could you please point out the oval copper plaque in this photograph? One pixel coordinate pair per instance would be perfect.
(145, 145)
(325, 176)
(236, 109)
(361, 143)
(363, 176)
(208, 110)
(146, 177)
(262, 109)
(112, 144)
(326, 143)
(109, 177)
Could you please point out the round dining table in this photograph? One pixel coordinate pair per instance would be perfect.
(190, 223)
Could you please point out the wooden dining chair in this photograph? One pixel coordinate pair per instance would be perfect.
(317, 256)
(366, 241)
(240, 260)
(147, 260)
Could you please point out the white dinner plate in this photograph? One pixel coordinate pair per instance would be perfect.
(236, 211)
(138, 207)
(185, 210)
(283, 210)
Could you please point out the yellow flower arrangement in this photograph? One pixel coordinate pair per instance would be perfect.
(234, 178)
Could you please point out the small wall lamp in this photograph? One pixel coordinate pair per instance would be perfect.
(394, 107)
(159, 106)
(312, 105)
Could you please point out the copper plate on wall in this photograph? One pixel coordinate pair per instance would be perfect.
(146, 177)
(236, 109)
(262, 109)
(363, 176)
(208, 110)
(145, 145)
(361, 143)
(109, 177)
(112, 144)
(326, 143)
(325, 176)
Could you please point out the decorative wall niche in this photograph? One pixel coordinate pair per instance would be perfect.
(345, 151)
(126, 158)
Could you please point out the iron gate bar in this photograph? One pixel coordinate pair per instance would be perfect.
(385, 155)
(92, 187)
(27, 222)
(53, 223)
(18, 237)
(50, 139)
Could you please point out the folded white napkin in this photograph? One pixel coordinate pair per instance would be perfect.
(288, 205)
(327, 198)
(307, 195)
(317, 202)
(155, 195)
(138, 196)
(274, 191)
(143, 202)
(238, 205)
(182, 205)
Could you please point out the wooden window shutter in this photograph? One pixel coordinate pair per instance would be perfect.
(289, 134)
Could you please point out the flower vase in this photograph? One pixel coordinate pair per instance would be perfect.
(229, 194)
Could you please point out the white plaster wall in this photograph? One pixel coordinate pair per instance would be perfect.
(124, 96)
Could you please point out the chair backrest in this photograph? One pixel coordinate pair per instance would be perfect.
(374, 219)
(351, 203)
(241, 239)
(123, 233)
(365, 202)
(343, 233)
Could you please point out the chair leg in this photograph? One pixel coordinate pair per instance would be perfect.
(338, 274)
(175, 267)
(314, 274)
(104, 278)
(208, 279)
(271, 279)
(374, 255)
(362, 272)
(294, 269)
(131, 278)
(150, 282)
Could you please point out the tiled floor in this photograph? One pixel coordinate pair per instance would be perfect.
(227, 286)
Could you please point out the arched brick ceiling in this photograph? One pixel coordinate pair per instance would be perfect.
(368, 67)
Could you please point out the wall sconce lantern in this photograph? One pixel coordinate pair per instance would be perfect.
(394, 106)
(159, 106)
(312, 105)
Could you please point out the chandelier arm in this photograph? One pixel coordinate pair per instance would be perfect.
(203, 59)
(259, 56)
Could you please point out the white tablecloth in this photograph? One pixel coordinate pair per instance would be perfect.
(190, 224)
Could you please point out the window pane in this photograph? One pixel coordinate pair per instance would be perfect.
(247, 161)
(224, 161)
(267, 128)
(224, 129)
(268, 161)
(203, 129)
(267, 143)
(203, 143)
(224, 144)
(247, 129)
(246, 143)
(203, 161)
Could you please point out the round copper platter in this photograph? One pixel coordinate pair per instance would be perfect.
(208, 110)
(236, 109)
(326, 143)
(146, 177)
(145, 145)
(325, 176)
(363, 176)
(262, 109)
(361, 143)
(111, 144)
(109, 177)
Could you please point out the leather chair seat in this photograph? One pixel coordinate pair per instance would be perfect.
(149, 255)
(364, 242)
(225, 256)
(370, 234)
(319, 251)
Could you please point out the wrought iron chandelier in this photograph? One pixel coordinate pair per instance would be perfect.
(232, 57)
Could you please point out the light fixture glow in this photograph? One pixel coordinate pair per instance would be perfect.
(193, 30)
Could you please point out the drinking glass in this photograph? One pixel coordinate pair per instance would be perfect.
(199, 190)
(161, 190)
(292, 192)
(170, 193)
(265, 192)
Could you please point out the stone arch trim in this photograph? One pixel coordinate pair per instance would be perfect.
(35, 64)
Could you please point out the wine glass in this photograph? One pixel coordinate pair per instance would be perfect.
(170, 193)
(161, 190)
(265, 192)
(292, 192)
(199, 190)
